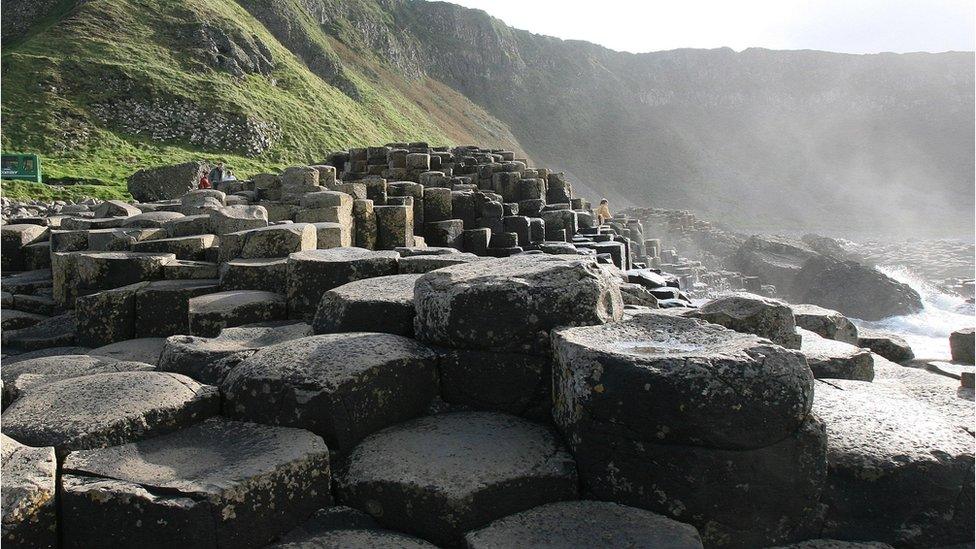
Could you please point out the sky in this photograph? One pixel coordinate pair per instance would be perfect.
(848, 26)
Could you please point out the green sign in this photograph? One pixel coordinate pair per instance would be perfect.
(21, 166)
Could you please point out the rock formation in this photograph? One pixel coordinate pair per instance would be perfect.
(291, 360)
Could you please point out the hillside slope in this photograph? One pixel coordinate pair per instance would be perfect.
(109, 86)
(760, 139)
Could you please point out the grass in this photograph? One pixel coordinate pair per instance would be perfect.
(104, 50)
(28, 190)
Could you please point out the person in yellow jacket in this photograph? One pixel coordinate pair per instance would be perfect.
(603, 212)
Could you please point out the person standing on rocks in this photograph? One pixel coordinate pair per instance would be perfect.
(603, 212)
(217, 174)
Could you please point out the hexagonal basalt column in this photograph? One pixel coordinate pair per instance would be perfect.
(695, 421)
(442, 475)
(29, 510)
(99, 410)
(381, 304)
(216, 484)
(314, 272)
(340, 386)
(511, 304)
(585, 524)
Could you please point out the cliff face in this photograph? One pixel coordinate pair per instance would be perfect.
(771, 139)
(762, 138)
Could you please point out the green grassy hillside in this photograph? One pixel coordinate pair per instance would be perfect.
(110, 86)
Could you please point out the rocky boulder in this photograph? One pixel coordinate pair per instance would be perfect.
(342, 387)
(440, 476)
(889, 346)
(961, 345)
(511, 304)
(752, 314)
(825, 322)
(694, 421)
(29, 485)
(836, 360)
(776, 260)
(165, 182)
(216, 484)
(585, 524)
(898, 470)
(854, 290)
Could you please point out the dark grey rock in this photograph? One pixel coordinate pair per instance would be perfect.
(419, 264)
(216, 484)
(41, 353)
(853, 289)
(20, 375)
(55, 331)
(329, 519)
(12, 319)
(340, 386)
(266, 274)
(833, 359)
(834, 544)
(342, 539)
(314, 272)
(151, 220)
(29, 485)
(692, 420)
(961, 345)
(99, 410)
(84, 273)
(162, 306)
(440, 476)
(826, 323)
(209, 360)
(381, 304)
(514, 383)
(677, 380)
(584, 524)
(165, 182)
(511, 304)
(211, 313)
(146, 349)
(899, 471)
(890, 346)
(752, 314)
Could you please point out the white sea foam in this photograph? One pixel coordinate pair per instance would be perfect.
(926, 331)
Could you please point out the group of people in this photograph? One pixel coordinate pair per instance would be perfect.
(216, 175)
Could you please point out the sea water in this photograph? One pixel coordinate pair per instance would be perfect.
(928, 330)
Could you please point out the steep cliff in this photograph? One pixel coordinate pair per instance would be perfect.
(759, 138)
